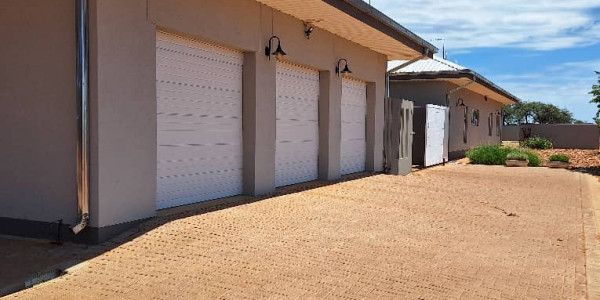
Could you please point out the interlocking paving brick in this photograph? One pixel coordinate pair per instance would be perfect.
(453, 232)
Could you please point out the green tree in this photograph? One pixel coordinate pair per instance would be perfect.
(536, 113)
(596, 98)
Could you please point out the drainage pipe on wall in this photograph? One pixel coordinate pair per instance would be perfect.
(83, 143)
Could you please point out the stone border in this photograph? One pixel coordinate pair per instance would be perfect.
(590, 189)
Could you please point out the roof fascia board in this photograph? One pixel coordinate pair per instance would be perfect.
(367, 14)
(452, 75)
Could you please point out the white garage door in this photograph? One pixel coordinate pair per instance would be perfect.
(354, 111)
(297, 142)
(199, 106)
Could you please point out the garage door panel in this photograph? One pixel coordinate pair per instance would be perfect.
(195, 195)
(172, 173)
(175, 47)
(199, 124)
(219, 103)
(181, 64)
(353, 141)
(207, 156)
(297, 131)
(296, 150)
(190, 82)
(187, 139)
(200, 182)
(199, 109)
(295, 174)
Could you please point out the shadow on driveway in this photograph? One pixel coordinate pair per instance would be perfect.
(25, 262)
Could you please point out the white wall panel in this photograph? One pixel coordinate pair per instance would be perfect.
(435, 134)
(199, 106)
(297, 125)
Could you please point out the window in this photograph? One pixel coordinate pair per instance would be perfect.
(490, 123)
(498, 124)
(475, 117)
(465, 123)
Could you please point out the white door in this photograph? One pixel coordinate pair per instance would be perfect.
(353, 149)
(199, 130)
(435, 134)
(297, 125)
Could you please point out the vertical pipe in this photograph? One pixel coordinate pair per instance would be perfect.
(83, 143)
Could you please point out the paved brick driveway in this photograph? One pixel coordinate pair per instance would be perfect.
(469, 232)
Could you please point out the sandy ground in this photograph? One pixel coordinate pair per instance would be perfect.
(458, 231)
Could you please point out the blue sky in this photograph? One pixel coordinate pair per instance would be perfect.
(538, 50)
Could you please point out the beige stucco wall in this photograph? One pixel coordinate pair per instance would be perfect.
(476, 135)
(37, 110)
(434, 92)
(565, 136)
(123, 106)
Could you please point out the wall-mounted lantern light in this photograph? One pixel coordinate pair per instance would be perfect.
(460, 102)
(308, 29)
(278, 53)
(485, 98)
(344, 71)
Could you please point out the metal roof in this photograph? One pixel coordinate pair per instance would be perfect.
(428, 65)
(444, 70)
(358, 22)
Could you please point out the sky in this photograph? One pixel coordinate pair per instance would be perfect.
(539, 50)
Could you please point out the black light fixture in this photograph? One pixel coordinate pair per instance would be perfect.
(345, 71)
(485, 98)
(308, 29)
(460, 102)
(278, 53)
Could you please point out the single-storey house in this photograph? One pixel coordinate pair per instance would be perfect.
(474, 102)
(112, 109)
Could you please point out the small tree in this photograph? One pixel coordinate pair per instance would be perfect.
(596, 98)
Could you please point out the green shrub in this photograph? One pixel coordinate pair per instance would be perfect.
(534, 159)
(488, 155)
(517, 155)
(537, 143)
(559, 157)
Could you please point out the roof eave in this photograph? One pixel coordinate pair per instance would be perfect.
(369, 15)
(441, 75)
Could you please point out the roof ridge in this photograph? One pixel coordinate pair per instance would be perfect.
(449, 63)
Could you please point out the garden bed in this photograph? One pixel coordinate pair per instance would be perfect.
(587, 161)
(583, 160)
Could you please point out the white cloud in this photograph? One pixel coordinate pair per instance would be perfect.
(565, 85)
(534, 25)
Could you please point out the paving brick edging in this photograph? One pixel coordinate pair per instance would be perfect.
(591, 228)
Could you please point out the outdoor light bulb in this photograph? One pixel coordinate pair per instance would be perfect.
(279, 53)
(346, 70)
